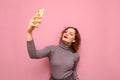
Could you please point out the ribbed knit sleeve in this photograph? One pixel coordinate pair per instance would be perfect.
(37, 54)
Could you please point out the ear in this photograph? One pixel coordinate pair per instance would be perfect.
(74, 41)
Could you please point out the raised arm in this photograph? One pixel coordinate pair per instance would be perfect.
(34, 23)
(37, 54)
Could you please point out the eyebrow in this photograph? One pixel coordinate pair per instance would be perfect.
(70, 31)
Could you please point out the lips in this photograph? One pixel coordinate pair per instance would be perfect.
(65, 37)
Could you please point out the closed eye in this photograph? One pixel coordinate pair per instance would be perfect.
(71, 34)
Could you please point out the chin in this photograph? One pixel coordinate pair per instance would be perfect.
(65, 41)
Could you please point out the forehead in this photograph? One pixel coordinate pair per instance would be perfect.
(71, 30)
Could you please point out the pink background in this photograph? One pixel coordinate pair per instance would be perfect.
(97, 20)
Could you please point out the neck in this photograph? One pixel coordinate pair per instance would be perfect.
(66, 43)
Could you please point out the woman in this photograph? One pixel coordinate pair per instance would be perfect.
(63, 57)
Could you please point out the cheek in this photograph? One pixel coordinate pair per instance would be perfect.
(63, 36)
(71, 38)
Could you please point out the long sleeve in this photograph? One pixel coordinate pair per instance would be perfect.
(75, 67)
(36, 54)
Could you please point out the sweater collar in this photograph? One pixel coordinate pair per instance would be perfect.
(64, 46)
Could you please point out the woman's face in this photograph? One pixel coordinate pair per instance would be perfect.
(68, 36)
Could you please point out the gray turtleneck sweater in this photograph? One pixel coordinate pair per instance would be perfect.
(63, 62)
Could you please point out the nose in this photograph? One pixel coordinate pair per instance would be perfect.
(66, 34)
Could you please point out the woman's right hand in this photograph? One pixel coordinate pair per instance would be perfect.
(34, 23)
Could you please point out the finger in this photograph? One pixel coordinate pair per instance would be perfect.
(37, 17)
(36, 23)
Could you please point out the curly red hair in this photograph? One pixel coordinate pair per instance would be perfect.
(75, 45)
